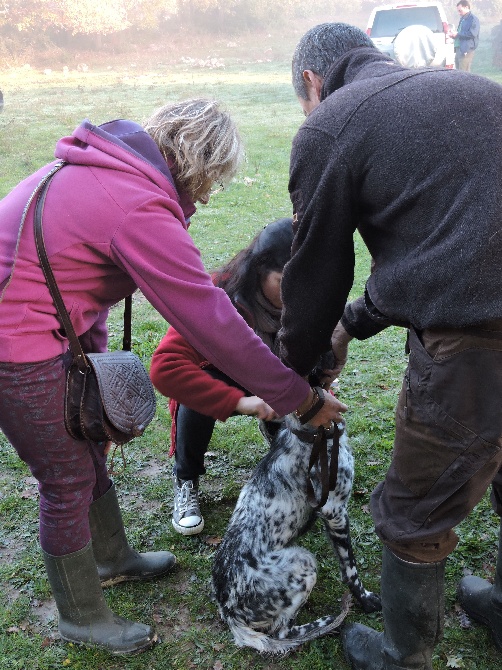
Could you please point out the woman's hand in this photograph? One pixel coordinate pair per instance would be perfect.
(254, 406)
(332, 410)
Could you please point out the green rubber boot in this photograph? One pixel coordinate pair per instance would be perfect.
(115, 559)
(413, 612)
(482, 601)
(84, 616)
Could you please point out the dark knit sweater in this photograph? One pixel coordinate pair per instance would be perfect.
(413, 160)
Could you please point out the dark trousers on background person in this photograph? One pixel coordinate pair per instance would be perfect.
(71, 473)
(448, 443)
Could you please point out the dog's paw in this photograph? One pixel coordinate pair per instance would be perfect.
(371, 602)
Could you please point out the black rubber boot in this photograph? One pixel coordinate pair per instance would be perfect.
(115, 559)
(483, 601)
(84, 616)
(413, 612)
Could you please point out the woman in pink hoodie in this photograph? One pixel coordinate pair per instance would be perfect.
(116, 219)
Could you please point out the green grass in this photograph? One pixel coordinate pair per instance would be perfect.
(255, 87)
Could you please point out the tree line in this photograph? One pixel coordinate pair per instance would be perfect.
(111, 16)
(88, 17)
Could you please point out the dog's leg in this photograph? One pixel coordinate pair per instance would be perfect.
(338, 530)
(297, 572)
(267, 600)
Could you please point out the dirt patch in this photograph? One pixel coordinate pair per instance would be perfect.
(45, 614)
(154, 469)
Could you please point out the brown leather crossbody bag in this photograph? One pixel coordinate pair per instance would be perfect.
(109, 396)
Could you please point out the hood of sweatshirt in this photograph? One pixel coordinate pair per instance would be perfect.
(122, 145)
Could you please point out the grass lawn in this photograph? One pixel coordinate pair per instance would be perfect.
(46, 99)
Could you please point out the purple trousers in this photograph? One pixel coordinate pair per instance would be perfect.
(70, 473)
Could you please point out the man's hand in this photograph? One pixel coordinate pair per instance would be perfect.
(254, 406)
(340, 344)
(326, 379)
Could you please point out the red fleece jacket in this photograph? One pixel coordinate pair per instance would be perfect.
(177, 371)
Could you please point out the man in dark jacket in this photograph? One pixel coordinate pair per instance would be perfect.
(466, 36)
(386, 150)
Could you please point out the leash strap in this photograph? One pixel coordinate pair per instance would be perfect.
(328, 472)
(319, 453)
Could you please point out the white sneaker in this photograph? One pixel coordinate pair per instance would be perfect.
(187, 517)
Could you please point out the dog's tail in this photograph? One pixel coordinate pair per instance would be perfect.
(296, 636)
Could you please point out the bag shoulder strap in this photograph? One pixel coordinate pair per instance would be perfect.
(74, 342)
(48, 176)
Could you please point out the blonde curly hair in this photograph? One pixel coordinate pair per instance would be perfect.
(201, 139)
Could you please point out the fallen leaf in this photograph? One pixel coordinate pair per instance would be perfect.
(454, 662)
(463, 619)
(213, 540)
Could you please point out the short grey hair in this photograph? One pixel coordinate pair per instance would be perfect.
(201, 139)
(320, 47)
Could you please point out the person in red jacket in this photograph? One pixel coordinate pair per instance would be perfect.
(199, 393)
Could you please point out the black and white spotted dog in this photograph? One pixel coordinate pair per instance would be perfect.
(260, 577)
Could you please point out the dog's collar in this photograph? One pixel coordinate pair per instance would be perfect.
(309, 435)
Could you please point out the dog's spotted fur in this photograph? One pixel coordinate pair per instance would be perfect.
(260, 578)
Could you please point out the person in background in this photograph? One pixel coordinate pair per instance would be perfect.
(367, 157)
(199, 392)
(116, 219)
(466, 36)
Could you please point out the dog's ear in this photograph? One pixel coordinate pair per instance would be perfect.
(326, 362)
